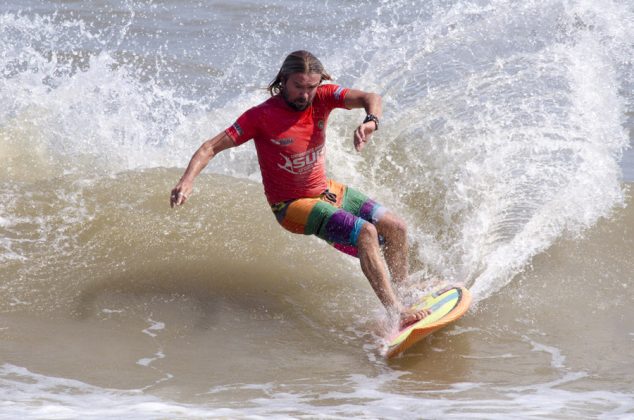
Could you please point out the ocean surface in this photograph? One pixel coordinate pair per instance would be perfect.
(505, 144)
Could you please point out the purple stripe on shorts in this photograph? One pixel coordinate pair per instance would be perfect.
(367, 209)
(339, 227)
(371, 211)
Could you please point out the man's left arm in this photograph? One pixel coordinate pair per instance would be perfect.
(371, 102)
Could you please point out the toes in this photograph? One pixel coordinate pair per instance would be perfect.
(412, 317)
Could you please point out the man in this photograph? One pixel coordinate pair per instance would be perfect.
(289, 133)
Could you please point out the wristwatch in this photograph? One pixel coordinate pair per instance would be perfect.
(372, 117)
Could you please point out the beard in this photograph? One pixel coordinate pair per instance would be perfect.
(296, 105)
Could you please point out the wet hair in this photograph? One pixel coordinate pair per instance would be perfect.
(297, 62)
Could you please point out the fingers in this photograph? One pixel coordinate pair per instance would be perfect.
(362, 135)
(177, 198)
(360, 139)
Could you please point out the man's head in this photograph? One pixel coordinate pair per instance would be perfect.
(297, 81)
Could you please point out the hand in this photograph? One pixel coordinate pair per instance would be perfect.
(362, 134)
(180, 194)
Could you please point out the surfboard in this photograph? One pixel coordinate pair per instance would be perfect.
(448, 304)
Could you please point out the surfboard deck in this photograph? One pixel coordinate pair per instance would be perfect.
(448, 304)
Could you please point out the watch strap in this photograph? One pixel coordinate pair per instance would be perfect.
(372, 117)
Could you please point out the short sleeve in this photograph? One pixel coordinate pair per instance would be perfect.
(243, 129)
(333, 95)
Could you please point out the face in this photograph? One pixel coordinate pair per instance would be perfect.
(299, 90)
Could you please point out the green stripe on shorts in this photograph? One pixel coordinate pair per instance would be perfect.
(318, 218)
(353, 200)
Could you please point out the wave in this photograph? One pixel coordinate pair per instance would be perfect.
(492, 149)
(504, 131)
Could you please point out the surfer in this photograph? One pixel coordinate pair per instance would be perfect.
(289, 134)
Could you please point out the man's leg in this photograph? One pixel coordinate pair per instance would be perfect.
(396, 250)
(391, 229)
(339, 226)
(374, 269)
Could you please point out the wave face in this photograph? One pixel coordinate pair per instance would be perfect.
(502, 144)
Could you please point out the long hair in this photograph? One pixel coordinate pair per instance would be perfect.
(297, 62)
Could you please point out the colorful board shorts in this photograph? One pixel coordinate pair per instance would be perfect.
(335, 216)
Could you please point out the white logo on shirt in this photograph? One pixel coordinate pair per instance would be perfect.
(301, 162)
(283, 142)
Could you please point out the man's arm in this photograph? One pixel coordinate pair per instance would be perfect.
(201, 158)
(371, 102)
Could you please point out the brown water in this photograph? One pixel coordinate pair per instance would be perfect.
(148, 306)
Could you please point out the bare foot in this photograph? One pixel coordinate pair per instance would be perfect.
(410, 316)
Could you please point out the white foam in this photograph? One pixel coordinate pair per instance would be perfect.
(154, 326)
(112, 311)
(557, 359)
(371, 397)
(507, 143)
(29, 395)
(25, 394)
(146, 361)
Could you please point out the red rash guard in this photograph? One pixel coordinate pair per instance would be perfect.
(290, 144)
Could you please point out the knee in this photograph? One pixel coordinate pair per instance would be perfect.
(391, 226)
(367, 236)
(400, 226)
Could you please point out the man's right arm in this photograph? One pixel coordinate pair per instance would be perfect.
(372, 104)
(198, 162)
